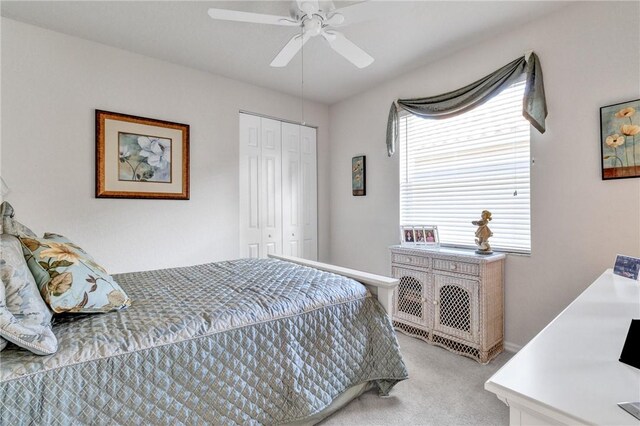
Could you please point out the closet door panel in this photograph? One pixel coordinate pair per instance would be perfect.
(309, 183)
(250, 171)
(291, 190)
(271, 205)
(278, 188)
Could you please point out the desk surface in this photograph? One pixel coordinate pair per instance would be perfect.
(571, 367)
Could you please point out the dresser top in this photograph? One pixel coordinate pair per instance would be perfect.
(571, 367)
(446, 251)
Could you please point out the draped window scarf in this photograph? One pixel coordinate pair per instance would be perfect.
(534, 106)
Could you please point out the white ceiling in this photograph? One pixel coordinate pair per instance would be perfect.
(402, 36)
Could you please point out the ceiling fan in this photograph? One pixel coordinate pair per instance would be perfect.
(314, 18)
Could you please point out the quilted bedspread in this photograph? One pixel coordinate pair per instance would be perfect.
(250, 341)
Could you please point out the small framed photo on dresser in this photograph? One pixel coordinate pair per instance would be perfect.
(407, 236)
(419, 235)
(627, 266)
(431, 237)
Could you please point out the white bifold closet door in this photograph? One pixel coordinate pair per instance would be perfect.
(260, 181)
(299, 193)
(278, 188)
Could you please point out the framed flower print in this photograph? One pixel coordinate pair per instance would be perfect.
(620, 140)
(358, 176)
(138, 157)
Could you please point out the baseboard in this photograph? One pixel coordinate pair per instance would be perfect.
(511, 347)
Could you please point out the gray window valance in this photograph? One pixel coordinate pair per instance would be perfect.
(534, 106)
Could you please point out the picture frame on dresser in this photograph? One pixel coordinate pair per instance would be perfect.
(419, 235)
(407, 236)
(431, 237)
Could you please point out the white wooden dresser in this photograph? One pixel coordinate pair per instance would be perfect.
(569, 373)
(450, 297)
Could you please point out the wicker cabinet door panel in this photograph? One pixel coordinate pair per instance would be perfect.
(409, 298)
(456, 308)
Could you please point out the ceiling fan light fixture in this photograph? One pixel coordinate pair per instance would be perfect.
(313, 26)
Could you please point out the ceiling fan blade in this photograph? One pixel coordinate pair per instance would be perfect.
(335, 19)
(256, 18)
(326, 5)
(364, 11)
(309, 7)
(290, 50)
(348, 49)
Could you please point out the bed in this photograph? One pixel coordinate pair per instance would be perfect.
(249, 341)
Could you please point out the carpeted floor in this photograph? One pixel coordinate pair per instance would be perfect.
(442, 389)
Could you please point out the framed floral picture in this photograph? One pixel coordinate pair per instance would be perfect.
(138, 157)
(620, 135)
(359, 175)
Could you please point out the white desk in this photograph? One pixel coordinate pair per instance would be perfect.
(569, 373)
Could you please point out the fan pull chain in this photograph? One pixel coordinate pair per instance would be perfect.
(515, 167)
(302, 74)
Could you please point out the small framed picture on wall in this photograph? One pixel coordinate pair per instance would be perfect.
(359, 175)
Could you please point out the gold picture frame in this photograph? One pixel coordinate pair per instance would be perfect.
(139, 157)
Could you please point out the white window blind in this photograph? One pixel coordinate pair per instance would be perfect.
(452, 169)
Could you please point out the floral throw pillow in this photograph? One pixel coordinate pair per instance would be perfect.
(24, 318)
(69, 279)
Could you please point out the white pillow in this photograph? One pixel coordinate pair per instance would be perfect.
(24, 317)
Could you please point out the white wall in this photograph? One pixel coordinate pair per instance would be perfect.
(51, 85)
(590, 54)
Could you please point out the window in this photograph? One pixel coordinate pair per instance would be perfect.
(452, 169)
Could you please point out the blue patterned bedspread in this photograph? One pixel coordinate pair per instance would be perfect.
(250, 341)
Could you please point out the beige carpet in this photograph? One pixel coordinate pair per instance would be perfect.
(442, 389)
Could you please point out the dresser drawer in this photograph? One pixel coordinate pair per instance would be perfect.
(410, 259)
(455, 266)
